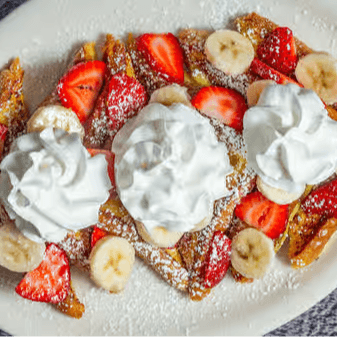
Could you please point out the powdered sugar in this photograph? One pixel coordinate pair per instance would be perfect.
(147, 306)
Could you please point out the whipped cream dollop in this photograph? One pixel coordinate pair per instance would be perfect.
(170, 167)
(50, 184)
(291, 140)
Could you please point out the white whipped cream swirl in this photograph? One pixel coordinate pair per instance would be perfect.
(291, 140)
(170, 167)
(50, 184)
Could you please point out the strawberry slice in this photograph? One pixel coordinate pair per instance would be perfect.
(323, 200)
(97, 234)
(110, 158)
(3, 134)
(78, 89)
(227, 105)
(263, 214)
(263, 70)
(50, 281)
(126, 96)
(218, 259)
(278, 50)
(164, 55)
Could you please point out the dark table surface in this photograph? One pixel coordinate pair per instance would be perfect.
(320, 320)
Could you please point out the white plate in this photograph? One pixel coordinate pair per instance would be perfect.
(43, 33)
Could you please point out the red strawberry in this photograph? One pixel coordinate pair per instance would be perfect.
(258, 211)
(278, 50)
(78, 89)
(3, 134)
(163, 53)
(227, 105)
(97, 234)
(50, 281)
(323, 200)
(218, 259)
(110, 158)
(268, 73)
(126, 96)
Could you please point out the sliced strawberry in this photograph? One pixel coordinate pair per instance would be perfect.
(78, 89)
(110, 158)
(323, 200)
(97, 234)
(218, 259)
(263, 70)
(164, 55)
(50, 281)
(261, 213)
(278, 50)
(126, 97)
(3, 134)
(227, 105)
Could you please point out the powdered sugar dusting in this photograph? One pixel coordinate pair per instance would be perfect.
(148, 306)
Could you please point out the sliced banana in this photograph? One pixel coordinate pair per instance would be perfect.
(229, 51)
(111, 262)
(318, 71)
(255, 90)
(277, 195)
(17, 253)
(159, 236)
(252, 253)
(56, 116)
(170, 94)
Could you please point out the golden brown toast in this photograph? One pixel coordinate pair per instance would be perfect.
(13, 112)
(98, 131)
(306, 241)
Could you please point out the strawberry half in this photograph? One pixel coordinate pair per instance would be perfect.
(263, 70)
(3, 134)
(50, 281)
(110, 158)
(126, 96)
(164, 55)
(78, 89)
(263, 214)
(97, 234)
(227, 105)
(218, 259)
(278, 50)
(323, 200)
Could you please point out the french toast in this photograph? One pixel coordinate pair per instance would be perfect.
(14, 113)
(187, 264)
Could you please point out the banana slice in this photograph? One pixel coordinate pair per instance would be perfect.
(159, 236)
(56, 116)
(229, 51)
(318, 71)
(252, 253)
(276, 195)
(18, 253)
(170, 94)
(111, 262)
(255, 90)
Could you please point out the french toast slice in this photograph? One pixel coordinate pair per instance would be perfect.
(98, 129)
(116, 221)
(202, 72)
(148, 77)
(308, 235)
(13, 112)
(256, 27)
(71, 305)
